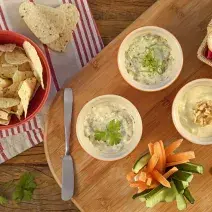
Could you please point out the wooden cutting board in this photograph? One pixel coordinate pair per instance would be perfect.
(101, 186)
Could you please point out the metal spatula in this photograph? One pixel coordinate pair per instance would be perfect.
(68, 170)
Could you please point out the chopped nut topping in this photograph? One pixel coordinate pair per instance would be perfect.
(203, 113)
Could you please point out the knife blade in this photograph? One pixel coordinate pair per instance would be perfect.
(67, 163)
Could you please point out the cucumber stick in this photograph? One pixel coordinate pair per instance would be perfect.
(140, 163)
(191, 167)
(141, 194)
(156, 198)
(171, 193)
(183, 176)
(180, 185)
(181, 203)
(188, 196)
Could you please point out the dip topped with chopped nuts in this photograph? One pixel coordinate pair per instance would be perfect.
(195, 111)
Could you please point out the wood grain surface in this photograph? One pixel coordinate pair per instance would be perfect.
(101, 186)
(112, 17)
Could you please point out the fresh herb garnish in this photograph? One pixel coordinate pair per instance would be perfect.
(150, 61)
(25, 188)
(111, 135)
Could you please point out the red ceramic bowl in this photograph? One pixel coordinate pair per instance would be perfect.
(41, 95)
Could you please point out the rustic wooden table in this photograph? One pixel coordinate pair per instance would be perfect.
(112, 16)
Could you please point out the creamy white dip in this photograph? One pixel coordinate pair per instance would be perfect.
(98, 119)
(148, 59)
(186, 106)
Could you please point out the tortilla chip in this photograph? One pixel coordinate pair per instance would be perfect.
(5, 82)
(25, 92)
(8, 72)
(5, 122)
(17, 57)
(45, 22)
(4, 115)
(72, 18)
(7, 47)
(12, 90)
(21, 76)
(7, 110)
(35, 62)
(1, 53)
(8, 102)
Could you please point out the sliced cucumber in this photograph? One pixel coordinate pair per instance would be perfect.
(183, 176)
(154, 191)
(181, 203)
(191, 167)
(188, 196)
(141, 194)
(156, 198)
(140, 163)
(171, 193)
(180, 185)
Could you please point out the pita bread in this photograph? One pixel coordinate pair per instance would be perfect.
(45, 22)
(72, 18)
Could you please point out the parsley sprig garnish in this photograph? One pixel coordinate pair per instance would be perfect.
(111, 135)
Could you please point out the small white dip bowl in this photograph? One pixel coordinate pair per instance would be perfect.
(175, 114)
(176, 52)
(128, 148)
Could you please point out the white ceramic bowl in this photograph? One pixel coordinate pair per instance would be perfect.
(128, 148)
(176, 52)
(175, 116)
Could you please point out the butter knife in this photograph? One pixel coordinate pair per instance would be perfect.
(67, 169)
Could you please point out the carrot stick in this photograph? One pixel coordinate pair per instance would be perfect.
(170, 172)
(157, 150)
(149, 181)
(142, 176)
(163, 154)
(160, 178)
(130, 176)
(151, 148)
(172, 147)
(138, 184)
(152, 162)
(180, 156)
(176, 163)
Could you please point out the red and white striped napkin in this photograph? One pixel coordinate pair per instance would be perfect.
(87, 43)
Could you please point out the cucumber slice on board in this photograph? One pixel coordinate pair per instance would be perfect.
(154, 191)
(141, 162)
(191, 167)
(141, 194)
(188, 196)
(156, 198)
(180, 185)
(183, 176)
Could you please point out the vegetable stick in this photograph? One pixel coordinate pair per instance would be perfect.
(152, 162)
(160, 178)
(172, 147)
(149, 181)
(130, 176)
(138, 184)
(157, 150)
(151, 148)
(163, 154)
(142, 176)
(170, 172)
(180, 156)
(176, 163)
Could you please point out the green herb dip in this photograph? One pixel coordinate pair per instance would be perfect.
(148, 59)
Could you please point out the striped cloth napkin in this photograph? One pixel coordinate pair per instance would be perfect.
(87, 43)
